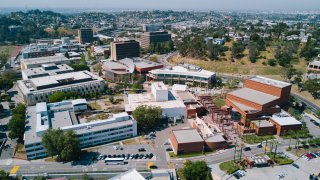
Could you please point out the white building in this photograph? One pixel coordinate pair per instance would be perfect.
(38, 89)
(74, 58)
(160, 96)
(182, 74)
(45, 70)
(62, 115)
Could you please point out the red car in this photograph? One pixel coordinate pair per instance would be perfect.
(309, 156)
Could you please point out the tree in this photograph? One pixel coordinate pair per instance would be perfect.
(318, 113)
(198, 170)
(148, 117)
(237, 49)
(16, 124)
(67, 55)
(63, 144)
(288, 72)
(80, 67)
(313, 87)
(4, 175)
(56, 97)
(272, 62)
(253, 52)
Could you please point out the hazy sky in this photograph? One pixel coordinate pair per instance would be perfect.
(168, 4)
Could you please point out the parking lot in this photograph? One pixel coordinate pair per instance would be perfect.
(303, 170)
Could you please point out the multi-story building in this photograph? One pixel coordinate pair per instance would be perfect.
(314, 65)
(38, 89)
(182, 74)
(85, 35)
(172, 107)
(151, 27)
(124, 49)
(45, 70)
(59, 58)
(122, 70)
(47, 47)
(63, 115)
(149, 38)
(260, 96)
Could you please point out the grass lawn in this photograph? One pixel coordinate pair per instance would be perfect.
(172, 155)
(229, 167)
(254, 139)
(20, 152)
(279, 159)
(219, 101)
(95, 106)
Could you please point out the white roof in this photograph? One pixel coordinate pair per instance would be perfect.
(284, 119)
(132, 174)
(179, 87)
(161, 104)
(78, 101)
(41, 107)
(187, 135)
(179, 70)
(271, 82)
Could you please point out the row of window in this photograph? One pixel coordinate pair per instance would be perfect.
(111, 134)
(106, 130)
(181, 76)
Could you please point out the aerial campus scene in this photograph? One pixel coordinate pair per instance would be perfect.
(159, 90)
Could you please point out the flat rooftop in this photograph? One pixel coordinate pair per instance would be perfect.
(262, 123)
(187, 136)
(186, 96)
(243, 107)
(269, 81)
(56, 69)
(161, 104)
(159, 86)
(285, 119)
(254, 96)
(56, 79)
(179, 70)
(50, 59)
(132, 174)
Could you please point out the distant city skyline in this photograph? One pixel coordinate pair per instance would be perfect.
(167, 4)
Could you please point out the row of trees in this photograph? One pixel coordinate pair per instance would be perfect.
(59, 96)
(195, 46)
(16, 124)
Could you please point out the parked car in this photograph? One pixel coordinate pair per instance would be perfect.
(295, 165)
(259, 146)
(313, 155)
(247, 149)
(141, 149)
(169, 149)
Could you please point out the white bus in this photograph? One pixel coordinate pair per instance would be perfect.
(114, 161)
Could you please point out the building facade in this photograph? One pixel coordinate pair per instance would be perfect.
(124, 49)
(182, 75)
(63, 115)
(39, 89)
(85, 35)
(149, 38)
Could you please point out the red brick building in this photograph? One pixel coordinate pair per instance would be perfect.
(260, 96)
(186, 141)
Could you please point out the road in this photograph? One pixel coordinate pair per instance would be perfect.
(313, 107)
(35, 167)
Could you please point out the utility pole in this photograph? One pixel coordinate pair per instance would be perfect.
(235, 151)
(265, 148)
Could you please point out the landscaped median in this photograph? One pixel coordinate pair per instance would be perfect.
(189, 155)
(280, 160)
(229, 167)
(254, 139)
